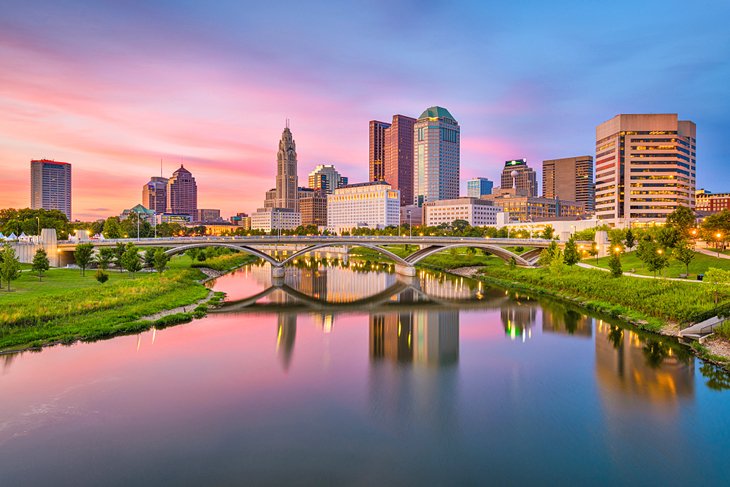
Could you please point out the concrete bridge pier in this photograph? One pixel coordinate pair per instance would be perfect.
(403, 270)
(277, 272)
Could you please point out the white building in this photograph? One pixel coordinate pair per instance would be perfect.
(268, 219)
(477, 212)
(372, 205)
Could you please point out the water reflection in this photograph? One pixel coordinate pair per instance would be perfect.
(557, 318)
(421, 338)
(644, 367)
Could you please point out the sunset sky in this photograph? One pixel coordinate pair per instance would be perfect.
(113, 87)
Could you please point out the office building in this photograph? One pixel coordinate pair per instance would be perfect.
(645, 168)
(327, 178)
(371, 205)
(477, 212)
(154, 195)
(436, 156)
(182, 193)
(144, 214)
(376, 157)
(287, 180)
(570, 179)
(411, 215)
(707, 202)
(478, 187)
(517, 174)
(208, 215)
(398, 163)
(268, 219)
(313, 209)
(523, 208)
(50, 186)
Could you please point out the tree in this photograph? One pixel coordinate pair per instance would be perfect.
(571, 255)
(83, 256)
(630, 239)
(101, 276)
(130, 260)
(681, 219)
(10, 267)
(40, 263)
(556, 262)
(547, 255)
(548, 233)
(149, 257)
(104, 257)
(614, 263)
(161, 260)
(119, 250)
(684, 254)
(112, 228)
(652, 255)
(717, 281)
(668, 237)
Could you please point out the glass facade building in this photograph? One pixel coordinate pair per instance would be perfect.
(436, 156)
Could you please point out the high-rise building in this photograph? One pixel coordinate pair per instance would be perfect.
(519, 207)
(286, 172)
(154, 195)
(327, 178)
(313, 208)
(376, 158)
(436, 156)
(570, 178)
(182, 193)
(208, 215)
(518, 175)
(645, 167)
(50, 186)
(398, 163)
(478, 187)
(371, 205)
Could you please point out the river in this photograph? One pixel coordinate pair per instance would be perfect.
(348, 374)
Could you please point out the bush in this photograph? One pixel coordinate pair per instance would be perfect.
(101, 276)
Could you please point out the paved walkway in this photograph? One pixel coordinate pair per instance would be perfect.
(712, 254)
(588, 266)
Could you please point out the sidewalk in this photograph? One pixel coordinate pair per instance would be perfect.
(712, 254)
(588, 266)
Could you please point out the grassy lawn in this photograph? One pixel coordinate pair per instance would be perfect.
(227, 262)
(65, 306)
(699, 265)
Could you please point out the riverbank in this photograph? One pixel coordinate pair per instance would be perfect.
(67, 307)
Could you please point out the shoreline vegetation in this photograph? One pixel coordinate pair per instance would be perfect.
(66, 307)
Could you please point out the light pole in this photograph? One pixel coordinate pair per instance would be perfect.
(410, 227)
(154, 215)
(137, 226)
(718, 236)
(693, 232)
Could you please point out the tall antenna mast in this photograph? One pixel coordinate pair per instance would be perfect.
(160, 166)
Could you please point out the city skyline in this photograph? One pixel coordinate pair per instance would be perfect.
(124, 89)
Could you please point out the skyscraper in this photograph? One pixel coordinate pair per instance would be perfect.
(645, 167)
(518, 174)
(478, 187)
(327, 178)
(570, 178)
(154, 195)
(286, 172)
(50, 186)
(436, 156)
(398, 162)
(182, 193)
(376, 159)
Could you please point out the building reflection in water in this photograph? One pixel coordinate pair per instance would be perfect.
(645, 367)
(420, 337)
(286, 334)
(518, 317)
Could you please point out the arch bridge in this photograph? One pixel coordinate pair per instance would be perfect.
(267, 248)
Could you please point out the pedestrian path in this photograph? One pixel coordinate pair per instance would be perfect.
(713, 254)
(631, 274)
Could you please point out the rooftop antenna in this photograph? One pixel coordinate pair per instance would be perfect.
(160, 166)
(287, 123)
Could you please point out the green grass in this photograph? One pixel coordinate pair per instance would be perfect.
(226, 262)
(699, 265)
(66, 306)
(654, 302)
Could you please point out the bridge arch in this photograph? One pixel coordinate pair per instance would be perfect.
(238, 248)
(500, 252)
(397, 259)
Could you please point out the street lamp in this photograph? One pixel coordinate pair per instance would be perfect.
(410, 227)
(718, 236)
